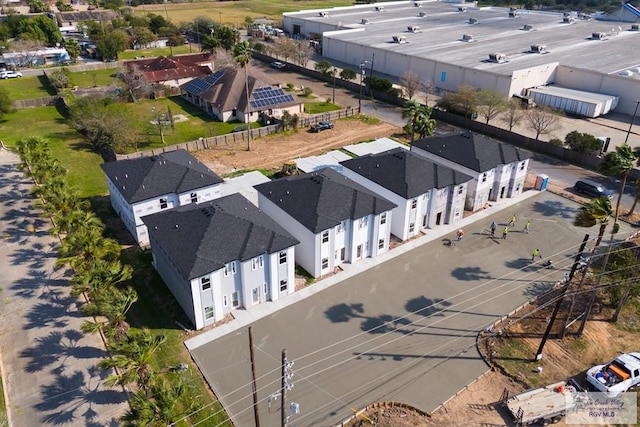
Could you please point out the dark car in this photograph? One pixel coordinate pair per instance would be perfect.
(320, 126)
(592, 189)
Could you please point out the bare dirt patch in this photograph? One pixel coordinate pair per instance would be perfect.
(272, 151)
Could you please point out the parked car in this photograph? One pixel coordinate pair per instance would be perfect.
(10, 74)
(592, 189)
(617, 376)
(279, 65)
(320, 126)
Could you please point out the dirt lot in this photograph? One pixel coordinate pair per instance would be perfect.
(270, 152)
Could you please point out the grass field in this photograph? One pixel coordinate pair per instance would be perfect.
(94, 78)
(67, 145)
(27, 87)
(234, 13)
(152, 53)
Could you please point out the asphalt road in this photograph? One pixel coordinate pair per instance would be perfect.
(404, 330)
(48, 365)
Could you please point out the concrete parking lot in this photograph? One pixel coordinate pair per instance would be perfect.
(49, 370)
(403, 330)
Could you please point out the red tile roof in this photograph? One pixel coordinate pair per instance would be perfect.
(163, 68)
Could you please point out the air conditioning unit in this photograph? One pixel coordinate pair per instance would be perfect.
(417, 3)
(538, 48)
(513, 12)
(379, 8)
(598, 36)
(468, 38)
(635, 27)
(413, 29)
(399, 39)
(568, 19)
(473, 21)
(498, 57)
(527, 27)
(462, 8)
(422, 14)
(364, 21)
(323, 14)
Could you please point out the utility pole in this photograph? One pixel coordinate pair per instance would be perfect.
(567, 318)
(563, 292)
(283, 390)
(373, 55)
(632, 119)
(592, 300)
(254, 388)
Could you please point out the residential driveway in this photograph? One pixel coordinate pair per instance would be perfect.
(404, 330)
(48, 365)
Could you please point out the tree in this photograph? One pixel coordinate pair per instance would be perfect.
(512, 114)
(420, 121)
(61, 78)
(303, 52)
(242, 55)
(491, 104)
(63, 7)
(618, 163)
(109, 39)
(348, 74)
(464, 102)
(410, 83)
(210, 44)
(113, 304)
(6, 103)
(323, 66)
(73, 48)
(582, 142)
(598, 211)
(542, 120)
(636, 194)
(136, 85)
(227, 36)
(143, 36)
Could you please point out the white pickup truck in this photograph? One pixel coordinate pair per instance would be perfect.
(617, 376)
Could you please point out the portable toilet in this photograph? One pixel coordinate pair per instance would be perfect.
(541, 182)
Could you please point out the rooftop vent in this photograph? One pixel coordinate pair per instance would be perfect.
(568, 19)
(323, 14)
(498, 57)
(513, 12)
(468, 38)
(462, 9)
(413, 29)
(379, 8)
(527, 27)
(473, 21)
(538, 48)
(422, 14)
(399, 39)
(626, 73)
(417, 3)
(635, 27)
(598, 36)
(364, 21)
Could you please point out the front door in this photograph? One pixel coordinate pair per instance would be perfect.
(438, 218)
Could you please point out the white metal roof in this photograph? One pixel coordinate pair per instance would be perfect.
(380, 145)
(243, 184)
(331, 159)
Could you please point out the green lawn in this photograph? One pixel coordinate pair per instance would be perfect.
(95, 78)
(67, 145)
(29, 87)
(319, 107)
(152, 53)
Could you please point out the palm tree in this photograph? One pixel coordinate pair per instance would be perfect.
(618, 162)
(87, 244)
(114, 304)
(636, 193)
(410, 111)
(99, 274)
(420, 120)
(133, 359)
(242, 55)
(597, 212)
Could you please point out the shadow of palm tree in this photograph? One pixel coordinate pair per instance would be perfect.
(470, 274)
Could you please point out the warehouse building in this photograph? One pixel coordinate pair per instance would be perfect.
(507, 50)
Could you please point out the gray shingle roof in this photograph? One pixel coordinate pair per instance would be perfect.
(148, 177)
(404, 173)
(201, 238)
(474, 151)
(322, 199)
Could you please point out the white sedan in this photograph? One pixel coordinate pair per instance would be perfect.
(10, 74)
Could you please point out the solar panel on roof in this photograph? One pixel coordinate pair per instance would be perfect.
(266, 96)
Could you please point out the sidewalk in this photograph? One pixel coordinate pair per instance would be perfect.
(243, 317)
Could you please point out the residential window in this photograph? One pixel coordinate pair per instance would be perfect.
(225, 300)
(229, 268)
(257, 263)
(208, 312)
(206, 283)
(412, 227)
(381, 244)
(325, 236)
(194, 197)
(343, 254)
(484, 177)
(522, 166)
(282, 257)
(383, 218)
(362, 223)
(255, 294)
(283, 285)
(264, 289)
(456, 212)
(234, 299)
(163, 203)
(460, 189)
(340, 228)
(414, 203)
(325, 263)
